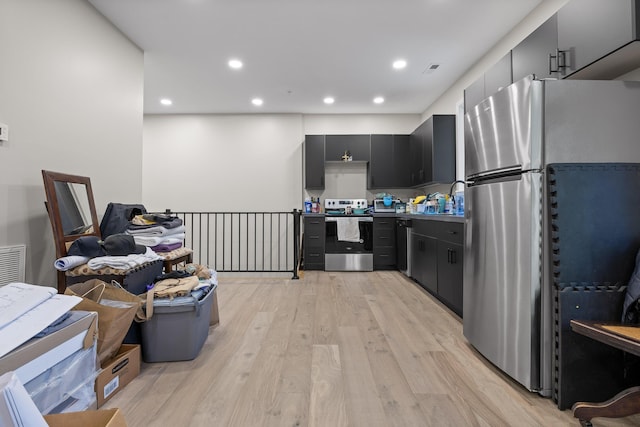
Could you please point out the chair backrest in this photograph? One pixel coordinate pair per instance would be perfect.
(71, 209)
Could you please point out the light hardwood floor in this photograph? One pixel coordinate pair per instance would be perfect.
(334, 349)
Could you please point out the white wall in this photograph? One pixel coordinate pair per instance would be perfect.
(222, 162)
(242, 162)
(71, 91)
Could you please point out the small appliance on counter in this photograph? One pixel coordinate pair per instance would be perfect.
(385, 203)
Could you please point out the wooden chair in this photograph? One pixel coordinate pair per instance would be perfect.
(72, 213)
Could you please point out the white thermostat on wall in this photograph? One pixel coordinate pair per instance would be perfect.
(4, 132)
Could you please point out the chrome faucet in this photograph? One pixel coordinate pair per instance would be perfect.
(458, 181)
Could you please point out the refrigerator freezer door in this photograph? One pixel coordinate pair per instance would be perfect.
(502, 256)
(504, 131)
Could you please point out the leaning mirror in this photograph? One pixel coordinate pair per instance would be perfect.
(73, 207)
(70, 207)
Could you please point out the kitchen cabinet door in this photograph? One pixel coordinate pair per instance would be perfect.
(384, 243)
(415, 151)
(314, 162)
(401, 161)
(498, 77)
(424, 263)
(474, 94)
(357, 145)
(381, 166)
(443, 149)
(314, 242)
(390, 160)
(532, 55)
(590, 29)
(450, 275)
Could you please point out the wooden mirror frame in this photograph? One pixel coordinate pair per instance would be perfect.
(63, 241)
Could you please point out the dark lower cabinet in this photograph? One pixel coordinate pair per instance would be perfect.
(313, 243)
(384, 243)
(436, 260)
(424, 261)
(450, 275)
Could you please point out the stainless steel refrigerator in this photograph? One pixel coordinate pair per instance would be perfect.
(509, 139)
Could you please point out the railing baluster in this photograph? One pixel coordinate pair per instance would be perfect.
(278, 236)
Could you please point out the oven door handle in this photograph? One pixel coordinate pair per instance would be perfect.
(359, 218)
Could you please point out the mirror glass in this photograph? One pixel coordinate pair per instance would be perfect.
(73, 206)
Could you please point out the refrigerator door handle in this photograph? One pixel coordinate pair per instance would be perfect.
(506, 172)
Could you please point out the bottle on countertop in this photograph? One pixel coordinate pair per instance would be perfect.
(307, 205)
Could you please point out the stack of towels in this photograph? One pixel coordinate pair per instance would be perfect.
(162, 233)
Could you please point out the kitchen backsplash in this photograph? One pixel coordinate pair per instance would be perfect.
(349, 180)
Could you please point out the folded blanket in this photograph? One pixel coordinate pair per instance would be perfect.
(149, 220)
(158, 230)
(164, 247)
(68, 262)
(123, 262)
(158, 240)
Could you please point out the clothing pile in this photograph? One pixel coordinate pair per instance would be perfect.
(119, 251)
(160, 232)
(180, 287)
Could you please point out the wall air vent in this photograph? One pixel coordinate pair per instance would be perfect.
(12, 264)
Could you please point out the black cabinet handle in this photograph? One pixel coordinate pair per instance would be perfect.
(314, 237)
(560, 61)
(452, 232)
(451, 256)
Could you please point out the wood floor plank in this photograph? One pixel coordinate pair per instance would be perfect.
(400, 404)
(326, 403)
(259, 391)
(296, 372)
(335, 349)
(228, 385)
(361, 395)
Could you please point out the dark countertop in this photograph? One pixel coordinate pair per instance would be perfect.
(419, 217)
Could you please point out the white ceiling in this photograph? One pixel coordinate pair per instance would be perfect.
(296, 52)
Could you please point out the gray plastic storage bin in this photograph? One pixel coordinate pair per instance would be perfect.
(177, 330)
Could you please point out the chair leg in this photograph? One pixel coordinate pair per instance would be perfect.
(623, 404)
(62, 282)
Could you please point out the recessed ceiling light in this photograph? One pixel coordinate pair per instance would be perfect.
(378, 100)
(399, 64)
(329, 100)
(236, 64)
(257, 102)
(166, 101)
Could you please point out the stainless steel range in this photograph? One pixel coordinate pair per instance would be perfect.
(349, 235)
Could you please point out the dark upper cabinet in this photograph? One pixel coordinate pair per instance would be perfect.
(314, 162)
(402, 161)
(537, 54)
(585, 39)
(589, 30)
(439, 149)
(389, 165)
(432, 150)
(474, 93)
(499, 76)
(493, 80)
(416, 172)
(356, 145)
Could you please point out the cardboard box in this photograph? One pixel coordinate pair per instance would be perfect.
(102, 418)
(118, 372)
(39, 354)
